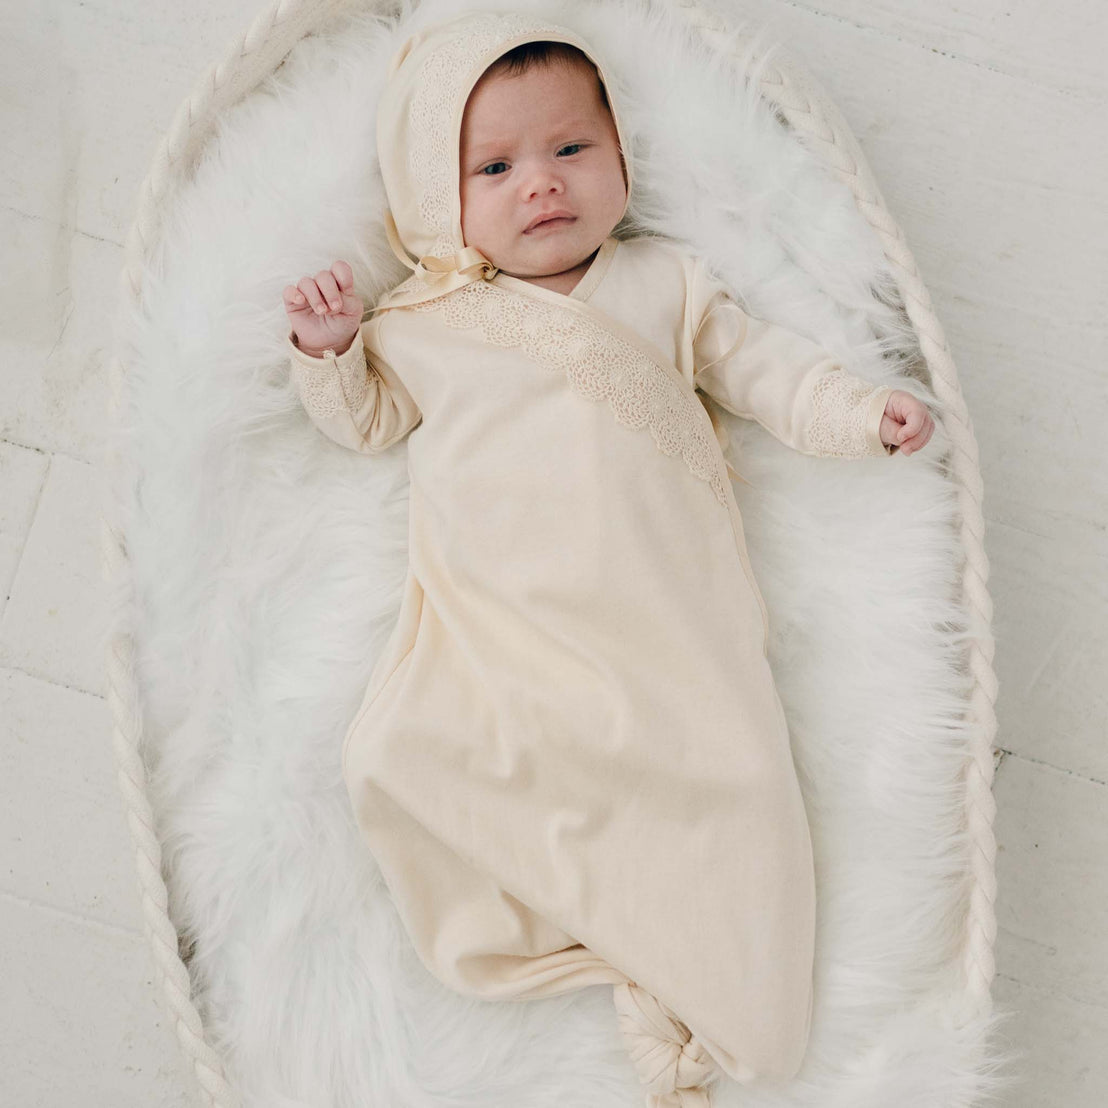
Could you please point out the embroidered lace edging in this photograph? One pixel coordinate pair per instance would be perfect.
(339, 383)
(840, 423)
(431, 112)
(598, 365)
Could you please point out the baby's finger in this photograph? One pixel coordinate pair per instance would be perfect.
(912, 423)
(344, 275)
(311, 293)
(294, 298)
(328, 286)
(920, 440)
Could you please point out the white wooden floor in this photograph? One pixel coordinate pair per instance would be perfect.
(984, 123)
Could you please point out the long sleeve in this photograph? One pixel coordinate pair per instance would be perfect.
(787, 383)
(355, 398)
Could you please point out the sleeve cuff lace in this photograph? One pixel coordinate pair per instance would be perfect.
(846, 417)
(332, 383)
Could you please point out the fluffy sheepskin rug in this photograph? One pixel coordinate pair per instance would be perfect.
(268, 561)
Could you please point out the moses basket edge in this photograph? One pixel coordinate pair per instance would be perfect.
(802, 105)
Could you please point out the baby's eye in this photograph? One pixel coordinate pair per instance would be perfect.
(572, 147)
(493, 165)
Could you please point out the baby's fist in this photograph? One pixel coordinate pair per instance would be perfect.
(324, 310)
(906, 423)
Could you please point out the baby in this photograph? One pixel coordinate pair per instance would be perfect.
(571, 762)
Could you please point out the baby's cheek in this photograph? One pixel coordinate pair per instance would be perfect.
(483, 227)
(466, 205)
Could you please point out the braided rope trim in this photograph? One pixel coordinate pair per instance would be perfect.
(810, 113)
(250, 59)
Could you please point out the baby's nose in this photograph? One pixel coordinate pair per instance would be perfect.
(541, 182)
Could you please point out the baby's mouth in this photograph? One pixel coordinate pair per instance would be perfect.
(556, 221)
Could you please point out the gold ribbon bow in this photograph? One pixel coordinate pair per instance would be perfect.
(469, 262)
(439, 274)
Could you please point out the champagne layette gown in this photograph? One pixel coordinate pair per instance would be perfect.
(571, 762)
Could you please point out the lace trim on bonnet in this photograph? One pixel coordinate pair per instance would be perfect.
(431, 113)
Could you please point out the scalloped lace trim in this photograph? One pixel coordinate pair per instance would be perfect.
(431, 111)
(340, 385)
(838, 427)
(598, 364)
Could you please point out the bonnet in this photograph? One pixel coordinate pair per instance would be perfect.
(419, 120)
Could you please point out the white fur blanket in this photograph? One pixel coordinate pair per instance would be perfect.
(267, 564)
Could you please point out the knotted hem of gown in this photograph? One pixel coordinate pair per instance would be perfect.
(673, 1065)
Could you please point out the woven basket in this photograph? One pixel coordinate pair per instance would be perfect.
(801, 106)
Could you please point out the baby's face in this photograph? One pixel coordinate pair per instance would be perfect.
(539, 142)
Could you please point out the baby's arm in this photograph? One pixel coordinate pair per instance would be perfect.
(354, 396)
(356, 401)
(789, 384)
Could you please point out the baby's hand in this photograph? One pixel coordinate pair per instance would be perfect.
(323, 310)
(906, 423)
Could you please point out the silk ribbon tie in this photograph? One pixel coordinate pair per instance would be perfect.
(469, 262)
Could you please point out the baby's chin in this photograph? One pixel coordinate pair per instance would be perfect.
(545, 262)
